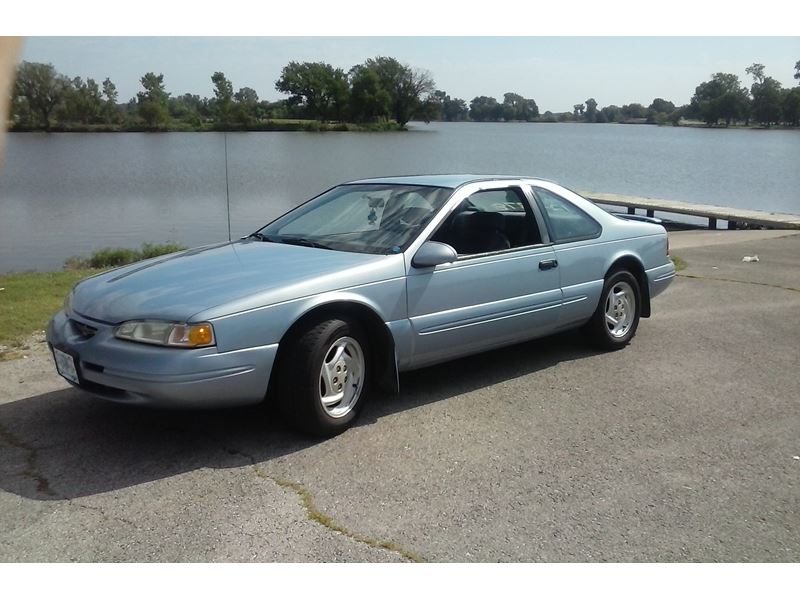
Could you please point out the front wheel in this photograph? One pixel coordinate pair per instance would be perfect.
(324, 378)
(614, 322)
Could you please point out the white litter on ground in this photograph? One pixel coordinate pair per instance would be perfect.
(753, 258)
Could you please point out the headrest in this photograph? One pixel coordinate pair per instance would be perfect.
(486, 221)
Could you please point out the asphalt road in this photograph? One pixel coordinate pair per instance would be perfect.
(682, 447)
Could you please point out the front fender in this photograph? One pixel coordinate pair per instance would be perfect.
(268, 324)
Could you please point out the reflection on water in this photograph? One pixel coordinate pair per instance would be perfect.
(68, 194)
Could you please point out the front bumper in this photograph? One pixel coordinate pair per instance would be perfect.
(134, 373)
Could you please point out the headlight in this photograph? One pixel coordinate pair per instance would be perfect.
(167, 334)
(68, 303)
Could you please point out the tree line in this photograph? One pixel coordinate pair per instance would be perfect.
(767, 102)
(380, 93)
(721, 100)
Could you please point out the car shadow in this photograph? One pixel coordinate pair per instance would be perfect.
(65, 445)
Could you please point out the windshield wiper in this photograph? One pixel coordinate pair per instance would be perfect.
(279, 239)
(298, 241)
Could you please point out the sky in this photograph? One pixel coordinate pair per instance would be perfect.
(557, 72)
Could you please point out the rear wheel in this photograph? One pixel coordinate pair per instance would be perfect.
(616, 319)
(324, 377)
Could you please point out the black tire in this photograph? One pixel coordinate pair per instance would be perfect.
(301, 389)
(599, 329)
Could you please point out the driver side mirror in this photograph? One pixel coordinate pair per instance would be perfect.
(431, 254)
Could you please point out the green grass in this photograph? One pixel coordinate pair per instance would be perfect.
(116, 257)
(28, 300)
(679, 263)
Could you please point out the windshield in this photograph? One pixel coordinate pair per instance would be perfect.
(370, 218)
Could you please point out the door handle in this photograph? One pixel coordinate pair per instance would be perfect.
(548, 264)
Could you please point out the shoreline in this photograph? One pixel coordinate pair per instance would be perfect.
(311, 126)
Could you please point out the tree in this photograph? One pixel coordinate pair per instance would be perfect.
(791, 106)
(339, 95)
(797, 70)
(455, 109)
(512, 106)
(659, 111)
(188, 107)
(757, 71)
(110, 110)
(767, 96)
(530, 110)
(21, 115)
(152, 102)
(319, 88)
(676, 115)
(633, 111)
(591, 110)
(446, 108)
(223, 97)
(518, 108)
(437, 100)
(485, 108)
(83, 102)
(577, 110)
(611, 112)
(549, 117)
(247, 108)
(659, 105)
(721, 98)
(246, 95)
(368, 100)
(408, 88)
(42, 88)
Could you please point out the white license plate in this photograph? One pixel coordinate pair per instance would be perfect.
(65, 365)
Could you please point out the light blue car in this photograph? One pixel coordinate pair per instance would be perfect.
(326, 305)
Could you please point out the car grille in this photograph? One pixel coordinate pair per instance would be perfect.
(85, 331)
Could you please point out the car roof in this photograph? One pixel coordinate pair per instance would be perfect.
(448, 181)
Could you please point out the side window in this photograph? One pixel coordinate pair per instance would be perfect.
(490, 221)
(567, 221)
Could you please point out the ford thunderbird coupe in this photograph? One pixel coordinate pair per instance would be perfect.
(325, 306)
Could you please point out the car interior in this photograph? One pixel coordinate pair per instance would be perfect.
(489, 221)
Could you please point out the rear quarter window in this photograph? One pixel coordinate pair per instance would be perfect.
(567, 221)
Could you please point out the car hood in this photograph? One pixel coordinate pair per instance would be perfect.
(176, 286)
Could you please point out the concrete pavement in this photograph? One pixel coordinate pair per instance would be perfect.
(679, 448)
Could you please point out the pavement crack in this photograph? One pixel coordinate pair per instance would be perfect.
(316, 515)
(103, 513)
(771, 285)
(32, 470)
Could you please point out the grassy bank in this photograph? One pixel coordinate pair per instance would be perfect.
(116, 257)
(28, 300)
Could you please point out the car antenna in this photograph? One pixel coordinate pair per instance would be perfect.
(227, 190)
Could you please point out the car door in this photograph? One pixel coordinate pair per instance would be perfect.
(497, 292)
(576, 238)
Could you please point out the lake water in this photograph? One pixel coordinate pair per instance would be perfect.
(68, 194)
